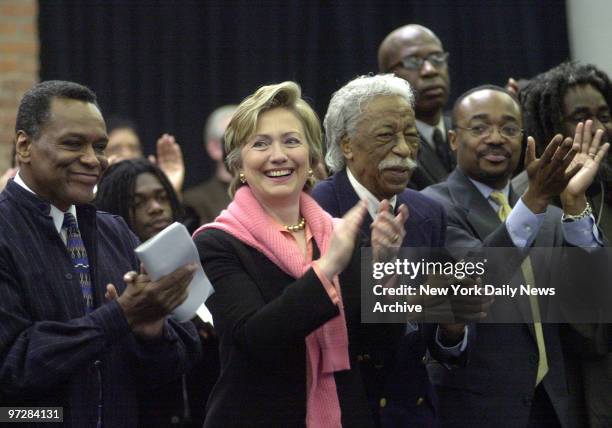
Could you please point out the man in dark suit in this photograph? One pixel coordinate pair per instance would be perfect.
(515, 372)
(415, 54)
(372, 144)
(79, 328)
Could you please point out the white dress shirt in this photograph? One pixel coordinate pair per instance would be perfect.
(365, 194)
(56, 213)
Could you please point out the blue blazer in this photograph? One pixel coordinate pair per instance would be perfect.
(398, 387)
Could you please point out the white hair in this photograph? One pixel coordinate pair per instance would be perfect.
(348, 103)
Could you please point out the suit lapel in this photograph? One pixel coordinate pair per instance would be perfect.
(480, 215)
(448, 124)
(484, 220)
(429, 163)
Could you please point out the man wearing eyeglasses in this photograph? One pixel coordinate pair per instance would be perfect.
(515, 375)
(415, 54)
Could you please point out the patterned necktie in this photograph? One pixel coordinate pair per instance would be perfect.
(78, 255)
(504, 211)
(442, 149)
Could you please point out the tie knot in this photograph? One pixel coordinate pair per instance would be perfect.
(69, 221)
(499, 198)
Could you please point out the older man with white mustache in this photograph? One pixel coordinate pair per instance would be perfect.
(372, 146)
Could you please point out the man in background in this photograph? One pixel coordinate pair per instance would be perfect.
(210, 197)
(415, 54)
(124, 143)
(142, 195)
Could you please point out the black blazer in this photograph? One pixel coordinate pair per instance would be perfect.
(262, 316)
(431, 170)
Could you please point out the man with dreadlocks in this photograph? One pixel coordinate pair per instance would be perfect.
(554, 102)
(140, 192)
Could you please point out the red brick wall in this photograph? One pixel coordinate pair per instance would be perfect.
(18, 65)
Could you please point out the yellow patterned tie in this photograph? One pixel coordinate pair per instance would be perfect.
(503, 213)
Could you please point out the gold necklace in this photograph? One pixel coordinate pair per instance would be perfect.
(296, 227)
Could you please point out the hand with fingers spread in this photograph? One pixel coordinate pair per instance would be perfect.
(586, 161)
(146, 303)
(342, 243)
(170, 161)
(548, 175)
(388, 232)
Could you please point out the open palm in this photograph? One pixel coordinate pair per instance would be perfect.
(588, 158)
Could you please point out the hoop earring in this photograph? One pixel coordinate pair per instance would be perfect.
(310, 173)
(242, 178)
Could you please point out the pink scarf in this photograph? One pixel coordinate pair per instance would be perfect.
(327, 346)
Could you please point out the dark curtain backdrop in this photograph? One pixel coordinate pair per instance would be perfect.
(168, 64)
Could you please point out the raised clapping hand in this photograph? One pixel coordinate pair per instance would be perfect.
(170, 161)
(548, 175)
(342, 243)
(146, 303)
(388, 232)
(590, 154)
(512, 86)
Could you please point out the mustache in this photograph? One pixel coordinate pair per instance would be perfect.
(406, 163)
(495, 151)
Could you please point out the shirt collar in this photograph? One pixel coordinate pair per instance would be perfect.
(55, 213)
(486, 190)
(364, 193)
(427, 130)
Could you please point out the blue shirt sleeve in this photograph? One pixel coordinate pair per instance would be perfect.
(523, 225)
(582, 233)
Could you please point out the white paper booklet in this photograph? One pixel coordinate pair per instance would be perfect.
(167, 251)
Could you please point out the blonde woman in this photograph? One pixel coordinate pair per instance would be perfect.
(286, 276)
